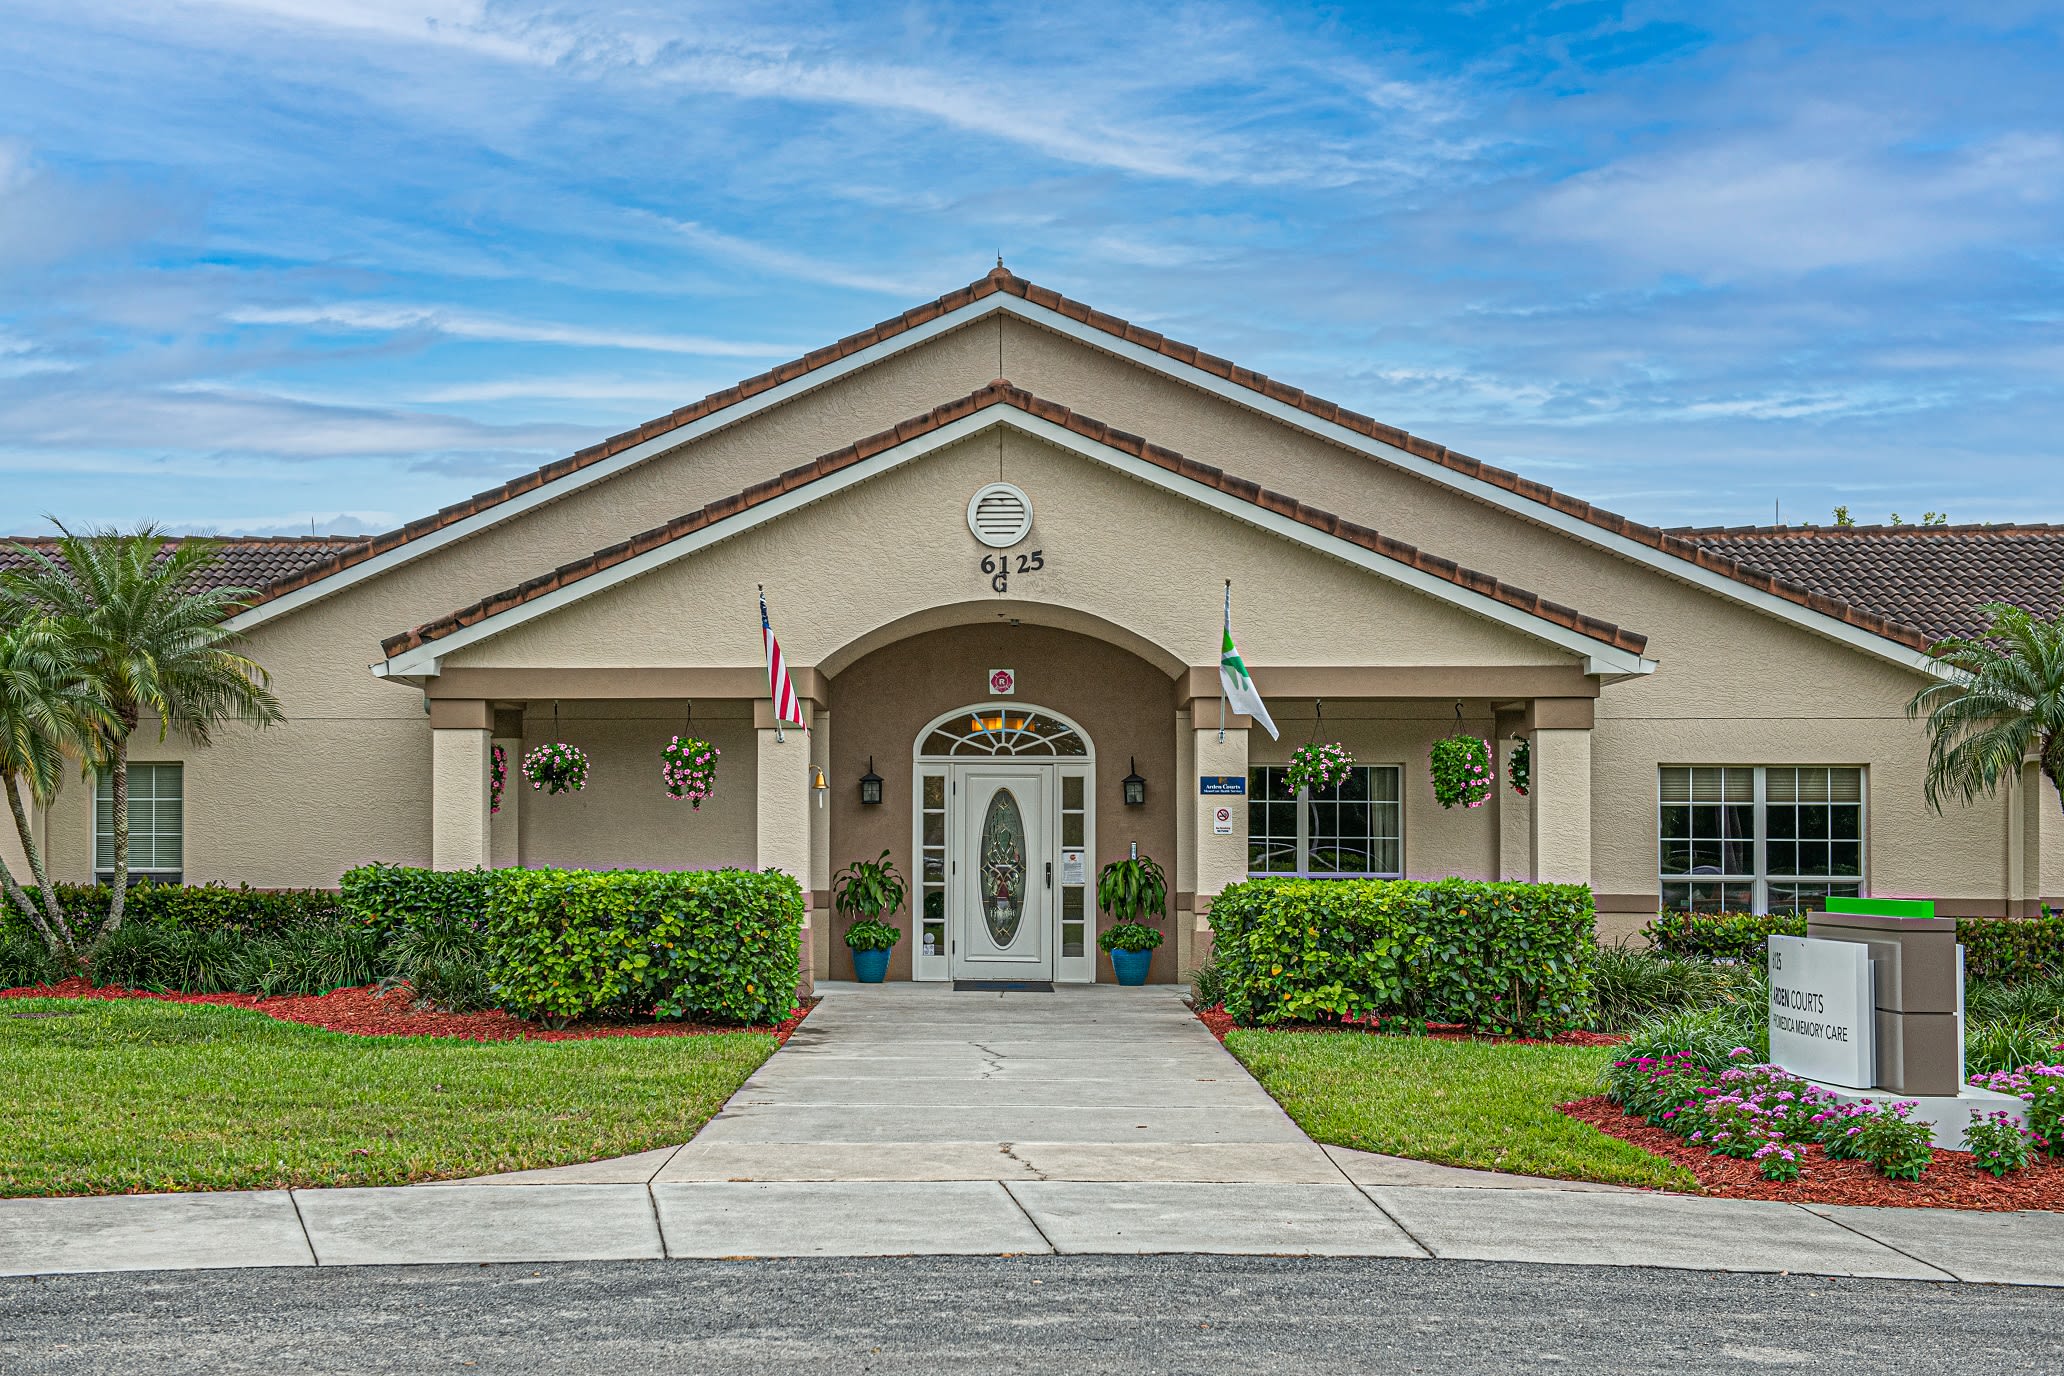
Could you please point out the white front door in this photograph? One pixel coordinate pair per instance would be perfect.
(1004, 881)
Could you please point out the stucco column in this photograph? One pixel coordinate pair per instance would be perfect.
(781, 834)
(1561, 798)
(1515, 814)
(461, 732)
(816, 952)
(1221, 856)
(505, 838)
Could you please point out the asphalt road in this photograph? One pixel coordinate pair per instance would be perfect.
(960, 1315)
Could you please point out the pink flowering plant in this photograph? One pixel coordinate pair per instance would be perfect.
(1462, 771)
(1997, 1143)
(1519, 771)
(2041, 1087)
(557, 768)
(1318, 768)
(498, 778)
(1766, 1115)
(688, 768)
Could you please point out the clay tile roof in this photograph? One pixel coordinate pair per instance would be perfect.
(1931, 578)
(1001, 392)
(256, 563)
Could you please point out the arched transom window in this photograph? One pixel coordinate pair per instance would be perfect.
(995, 730)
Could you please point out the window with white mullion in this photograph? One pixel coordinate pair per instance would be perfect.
(1758, 838)
(1352, 830)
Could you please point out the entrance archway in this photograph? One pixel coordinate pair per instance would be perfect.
(1003, 812)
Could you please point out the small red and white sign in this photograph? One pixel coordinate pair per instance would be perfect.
(1003, 683)
(1222, 821)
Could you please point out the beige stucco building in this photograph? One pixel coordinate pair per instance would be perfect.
(1004, 598)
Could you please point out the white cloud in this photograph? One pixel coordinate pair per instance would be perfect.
(381, 318)
(804, 267)
(1766, 206)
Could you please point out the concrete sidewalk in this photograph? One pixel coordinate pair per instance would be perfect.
(912, 1120)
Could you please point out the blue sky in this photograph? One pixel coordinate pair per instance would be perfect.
(268, 263)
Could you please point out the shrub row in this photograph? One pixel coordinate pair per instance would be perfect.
(716, 945)
(1494, 957)
(193, 907)
(2008, 949)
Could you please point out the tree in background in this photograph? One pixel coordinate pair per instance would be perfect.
(146, 637)
(45, 711)
(2005, 704)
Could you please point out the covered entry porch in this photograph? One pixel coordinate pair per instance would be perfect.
(1020, 796)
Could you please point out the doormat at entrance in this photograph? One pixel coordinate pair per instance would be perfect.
(1004, 986)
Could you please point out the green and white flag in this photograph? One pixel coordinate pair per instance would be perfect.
(1240, 693)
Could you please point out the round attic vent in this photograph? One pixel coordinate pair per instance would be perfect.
(1000, 515)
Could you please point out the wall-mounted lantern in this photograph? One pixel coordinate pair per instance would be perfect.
(870, 785)
(1135, 787)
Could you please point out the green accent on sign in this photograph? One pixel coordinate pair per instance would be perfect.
(1883, 907)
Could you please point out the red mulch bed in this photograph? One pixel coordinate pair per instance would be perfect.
(1950, 1182)
(1221, 1022)
(367, 1012)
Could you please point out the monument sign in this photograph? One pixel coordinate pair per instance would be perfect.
(1821, 1016)
(1869, 1005)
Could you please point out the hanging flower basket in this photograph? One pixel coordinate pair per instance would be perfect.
(1318, 767)
(688, 767)
(557, 768)
(1520, 772)
(497, 778)
(1462, 771)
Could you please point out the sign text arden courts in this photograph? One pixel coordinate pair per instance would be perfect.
(1821, 1010)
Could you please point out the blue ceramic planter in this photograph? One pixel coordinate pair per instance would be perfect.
(870, 967)
(1131, 966)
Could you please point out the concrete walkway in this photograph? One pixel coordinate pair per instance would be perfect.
(908, 1119)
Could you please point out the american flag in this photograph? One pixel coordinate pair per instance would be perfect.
(780, 687)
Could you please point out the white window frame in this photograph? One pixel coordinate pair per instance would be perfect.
(1303, 800)
(156, 875)
(1080, 969)
(1761, 880)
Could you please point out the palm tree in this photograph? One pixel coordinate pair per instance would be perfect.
(149, 638)
(2005, 704)
(44, 710)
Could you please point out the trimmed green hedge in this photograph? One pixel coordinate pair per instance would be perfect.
(198, 907)
(2007, 949)
(715, 945)
(388, 898)
(1494, 957)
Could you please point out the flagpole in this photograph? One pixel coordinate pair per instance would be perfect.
(1229, 631)
(780, 737)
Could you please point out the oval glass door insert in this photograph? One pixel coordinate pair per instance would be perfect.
(1003, 867)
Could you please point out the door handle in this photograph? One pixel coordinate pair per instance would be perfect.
(1049, 874)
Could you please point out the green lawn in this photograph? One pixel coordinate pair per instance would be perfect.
(113, 1096)
(1461, 1103)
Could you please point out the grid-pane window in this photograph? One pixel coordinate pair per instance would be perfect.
(1354, 828)
(1771, 838)
(157, 824)
(931, 870)
(1075, 905)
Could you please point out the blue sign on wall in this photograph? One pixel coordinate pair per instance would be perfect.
(1222, 783)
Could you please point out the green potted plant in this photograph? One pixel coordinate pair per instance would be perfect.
(866, 892)
(1130, 890)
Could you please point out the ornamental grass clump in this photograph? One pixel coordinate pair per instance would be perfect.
(1997, 1143)
(688, 768)
(557, 768)
(1462, 771)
